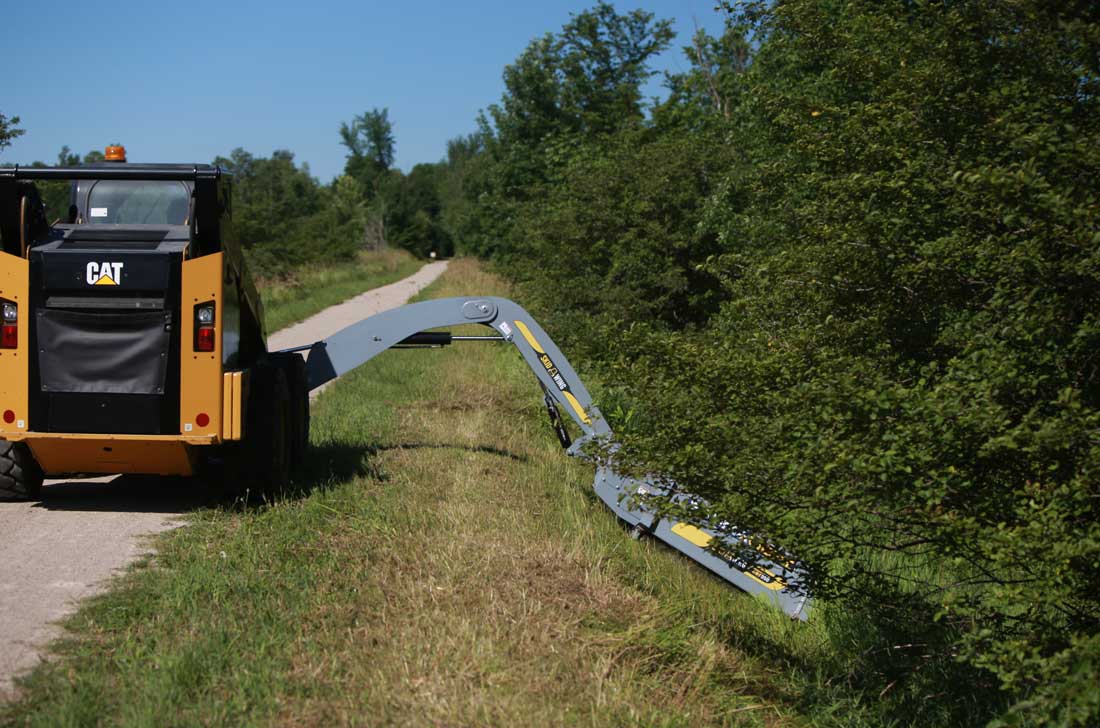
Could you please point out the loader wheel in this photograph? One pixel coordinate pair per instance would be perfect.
(260, 464)
(298, 386)
(20, 476)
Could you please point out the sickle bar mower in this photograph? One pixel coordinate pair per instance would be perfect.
(729, 553)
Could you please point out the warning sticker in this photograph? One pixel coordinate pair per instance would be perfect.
(505, 328)
(98, 212)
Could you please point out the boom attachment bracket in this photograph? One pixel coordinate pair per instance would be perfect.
(728, 552)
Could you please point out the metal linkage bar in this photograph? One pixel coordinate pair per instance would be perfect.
(731, 554)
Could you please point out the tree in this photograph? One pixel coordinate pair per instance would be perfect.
(604, 60)
(370, 143)
(586, 80)
(274, 201)
(415, 216)
(67, 158)
(890, 213)
(711, 89)
(8, 130)
(901, 387)
(564, 91)
(342, 225)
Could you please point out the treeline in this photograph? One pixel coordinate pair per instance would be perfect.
(845, 283)
(287, 219)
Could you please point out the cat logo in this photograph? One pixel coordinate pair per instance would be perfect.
(104, 274)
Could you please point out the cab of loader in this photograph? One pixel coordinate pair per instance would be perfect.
(132, 336)
(106, 311)
(128, 201)
(132, 202)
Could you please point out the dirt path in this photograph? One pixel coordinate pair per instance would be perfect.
(63, 548)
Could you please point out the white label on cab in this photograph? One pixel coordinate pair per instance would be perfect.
(99, 212)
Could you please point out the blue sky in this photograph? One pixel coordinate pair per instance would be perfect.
(186, 81)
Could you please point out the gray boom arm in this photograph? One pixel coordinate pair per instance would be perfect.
(727, 552)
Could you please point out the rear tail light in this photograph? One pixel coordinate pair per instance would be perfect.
(205, 332)
(9, 326)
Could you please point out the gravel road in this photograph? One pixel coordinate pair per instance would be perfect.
(65, 547)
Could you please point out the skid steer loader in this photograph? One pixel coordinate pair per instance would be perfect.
(132, 341)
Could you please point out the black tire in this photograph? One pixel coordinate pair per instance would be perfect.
(260, 464)
(297, 381)
(20, 476)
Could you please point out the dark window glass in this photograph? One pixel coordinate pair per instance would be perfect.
(135, 202)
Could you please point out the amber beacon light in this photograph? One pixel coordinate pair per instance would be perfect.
(115, 153)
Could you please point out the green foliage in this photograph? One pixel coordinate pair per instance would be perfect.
(415, 213)
(705, 98)
(845, 280)
(402, 210)
(582, 83)
(8, 130)
(617, 244)
(586, 80)
(370, 142)
(286, 219)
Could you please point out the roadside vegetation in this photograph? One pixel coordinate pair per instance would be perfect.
(841, 281)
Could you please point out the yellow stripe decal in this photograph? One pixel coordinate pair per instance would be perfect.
(530, 337)
(776, 585)
(577, 408)
(700, 538)
(240, 381)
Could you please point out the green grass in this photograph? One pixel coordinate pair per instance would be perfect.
(440, 563)
(298, 296)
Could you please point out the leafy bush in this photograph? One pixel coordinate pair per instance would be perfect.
(617, 242)
(851, 287)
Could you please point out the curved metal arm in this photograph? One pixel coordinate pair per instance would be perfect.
(362, 341)
(729, 553)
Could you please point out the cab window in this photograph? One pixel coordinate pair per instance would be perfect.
(137, 202)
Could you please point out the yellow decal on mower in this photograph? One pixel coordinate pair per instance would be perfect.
(702, 539)
(554, 373)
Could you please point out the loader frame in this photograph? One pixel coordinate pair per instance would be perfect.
(203, 395)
